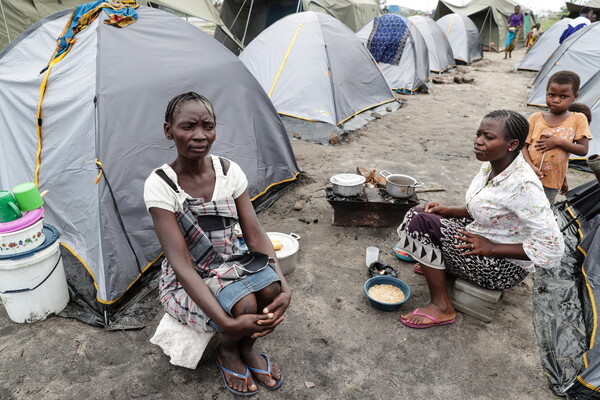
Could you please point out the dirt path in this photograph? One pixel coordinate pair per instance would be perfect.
(332, 338)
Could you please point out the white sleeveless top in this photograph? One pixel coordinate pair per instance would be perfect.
(157, 192)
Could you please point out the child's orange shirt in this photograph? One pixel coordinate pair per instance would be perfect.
(575, 127)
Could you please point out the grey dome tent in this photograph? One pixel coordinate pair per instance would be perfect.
(589, 94)
(412, 68)
(580, 54)
(463, 37)
(316, 72)
(101, 136)
(441, 57)
(491, 19)
(543, 48)
(247, 19)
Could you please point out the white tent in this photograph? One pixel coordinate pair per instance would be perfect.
(441, 57)
(314, 68)
(413, 67)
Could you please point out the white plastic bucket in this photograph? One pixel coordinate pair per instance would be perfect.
(35, 286)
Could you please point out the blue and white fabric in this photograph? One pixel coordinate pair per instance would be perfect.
(573, 27)
(388, 38)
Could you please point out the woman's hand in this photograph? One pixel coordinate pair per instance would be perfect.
(474, 244)
(445, 211)
(253, 325)
(436, 208)
(275, 310)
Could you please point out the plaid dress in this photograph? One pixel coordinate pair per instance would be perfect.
(208, 229)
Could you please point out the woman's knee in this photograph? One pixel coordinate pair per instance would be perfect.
(247, 305)
(267, 294)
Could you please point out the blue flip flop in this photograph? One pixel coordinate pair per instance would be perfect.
(278, 382)
(240, 376)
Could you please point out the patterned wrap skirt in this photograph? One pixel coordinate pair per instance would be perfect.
(429, 239)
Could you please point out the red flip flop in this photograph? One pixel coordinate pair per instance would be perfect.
(434, 321)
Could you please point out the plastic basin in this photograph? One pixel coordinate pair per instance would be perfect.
(386, 280)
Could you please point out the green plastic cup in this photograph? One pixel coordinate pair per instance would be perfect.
(28, 196)
(9, 211)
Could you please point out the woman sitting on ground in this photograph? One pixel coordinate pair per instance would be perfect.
(505, 229)
(207, 282)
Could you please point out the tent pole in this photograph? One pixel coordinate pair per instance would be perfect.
(237, 15)
(298, 6)
(248, 21)
(483, 25)
(4, 19)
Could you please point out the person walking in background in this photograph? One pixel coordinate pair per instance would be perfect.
(583, 20)
(533, 35)
(555, 133)
(515, 21)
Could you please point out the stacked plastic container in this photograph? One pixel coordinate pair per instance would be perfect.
(33, 284)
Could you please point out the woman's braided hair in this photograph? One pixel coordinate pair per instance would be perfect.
(515, 124)
(177, 101)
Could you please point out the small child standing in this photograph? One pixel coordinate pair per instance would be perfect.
(556, 133)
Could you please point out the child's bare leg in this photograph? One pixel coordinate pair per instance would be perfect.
(228, 353)
(246, 344)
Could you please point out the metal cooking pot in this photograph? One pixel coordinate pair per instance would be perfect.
(400, 186)
(288, 254)
(347, 185)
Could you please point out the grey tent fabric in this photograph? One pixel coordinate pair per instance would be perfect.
(463, 37)
(105, 101)
(542, 50)
(314, 68)
(491, 19)
(441, 57)
(413, 69)
(247, 19)
(580, 53)
(589, 94)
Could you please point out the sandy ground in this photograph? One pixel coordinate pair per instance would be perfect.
(332, 338)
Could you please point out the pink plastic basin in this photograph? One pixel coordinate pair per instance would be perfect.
(29, 218)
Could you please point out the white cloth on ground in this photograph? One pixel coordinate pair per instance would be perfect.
(183, 344)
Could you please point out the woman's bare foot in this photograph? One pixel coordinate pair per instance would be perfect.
(256, 361)
(233, 362)
(418, 269)
(440, 316)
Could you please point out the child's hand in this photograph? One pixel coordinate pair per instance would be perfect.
(537, 171)
(564, 188)
(547, 142)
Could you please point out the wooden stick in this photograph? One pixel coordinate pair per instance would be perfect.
(542, 161)
(430, 190)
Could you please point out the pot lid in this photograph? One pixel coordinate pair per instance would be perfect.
(289, 244)
(347, 179)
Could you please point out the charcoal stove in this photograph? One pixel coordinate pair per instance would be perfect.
(372, 208)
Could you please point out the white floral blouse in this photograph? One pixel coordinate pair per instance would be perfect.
(512, 208)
